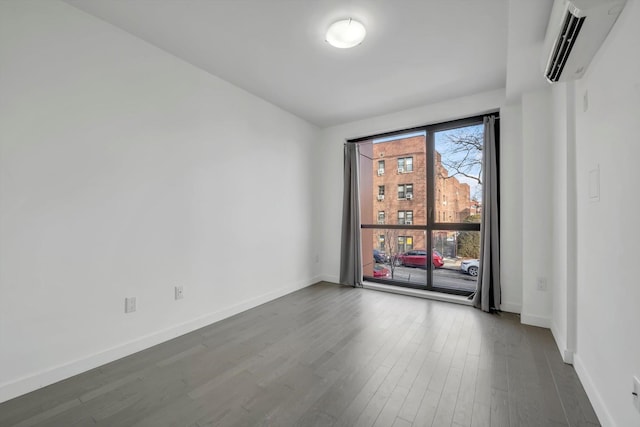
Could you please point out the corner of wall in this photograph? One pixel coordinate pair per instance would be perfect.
(561, 342)
(535, 320)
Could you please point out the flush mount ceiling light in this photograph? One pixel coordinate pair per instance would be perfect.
(346, 33)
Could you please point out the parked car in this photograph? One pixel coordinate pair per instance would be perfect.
(470, 266)
(418, 258)
(381, 271)
(380, 256)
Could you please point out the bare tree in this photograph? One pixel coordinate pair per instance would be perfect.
(463, 155)
(392, 249)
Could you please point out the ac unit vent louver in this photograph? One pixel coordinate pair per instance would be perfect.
(570, 30)
(575, 32)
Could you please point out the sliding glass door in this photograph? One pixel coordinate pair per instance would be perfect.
(421, 205)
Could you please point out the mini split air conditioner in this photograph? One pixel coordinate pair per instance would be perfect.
(575, 32)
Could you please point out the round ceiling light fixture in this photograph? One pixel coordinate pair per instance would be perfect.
(346, 33)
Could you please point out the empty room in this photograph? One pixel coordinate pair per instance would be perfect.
(327, 212)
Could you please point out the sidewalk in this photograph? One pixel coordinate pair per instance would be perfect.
(452, 263)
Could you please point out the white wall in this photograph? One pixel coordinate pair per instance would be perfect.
(126, 171)
(558, 206)
(608, 295)
(562, 274)
(511, 199)
(536, 211)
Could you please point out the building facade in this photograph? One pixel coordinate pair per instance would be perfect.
(400, 194)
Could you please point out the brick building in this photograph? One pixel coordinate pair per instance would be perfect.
(400, 192)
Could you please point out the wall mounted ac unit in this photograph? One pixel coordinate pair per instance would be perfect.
(575, 31)
(381, 197)
(409, 196)
(380, 172)
(400, 170)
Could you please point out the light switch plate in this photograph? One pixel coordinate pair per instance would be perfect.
(594, 184)
(585, 101)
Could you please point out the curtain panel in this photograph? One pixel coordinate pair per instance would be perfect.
(350, 247)
(487, 296)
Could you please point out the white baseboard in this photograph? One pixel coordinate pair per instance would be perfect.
(567, 356)
(510, 307)
(596, 400)
(330, 279)
(45, 377)
(561, 342)
(533, 320)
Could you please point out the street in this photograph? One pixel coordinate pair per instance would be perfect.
(449, 276)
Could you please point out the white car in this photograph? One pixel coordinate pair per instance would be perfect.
(470, 266)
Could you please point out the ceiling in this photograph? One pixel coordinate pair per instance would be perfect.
(417, 52)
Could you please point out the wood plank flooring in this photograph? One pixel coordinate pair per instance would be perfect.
(328, 355)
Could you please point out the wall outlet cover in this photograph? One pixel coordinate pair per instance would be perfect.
(130, 305)
(179, 292)
(541, 284)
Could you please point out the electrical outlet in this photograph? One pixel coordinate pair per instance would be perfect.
(542, 284)
(130, 305)
(636, 393)
(179, 292)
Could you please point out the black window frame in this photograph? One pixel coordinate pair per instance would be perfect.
(432, 223)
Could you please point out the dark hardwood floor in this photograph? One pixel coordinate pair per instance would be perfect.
(328, 355)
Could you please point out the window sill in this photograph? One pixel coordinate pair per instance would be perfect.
(420, 293)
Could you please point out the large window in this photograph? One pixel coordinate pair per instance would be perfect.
(431, 239)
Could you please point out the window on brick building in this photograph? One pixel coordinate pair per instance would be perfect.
(380, 190)
(405, 243)
(380, 217)
(405, 191)
(381, 242)
(380, 167)
(405, 164)
(405, 217)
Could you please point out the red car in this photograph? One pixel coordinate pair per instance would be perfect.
(381, 271)
(418, 258)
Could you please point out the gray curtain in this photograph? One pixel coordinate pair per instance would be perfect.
(351, 254)
(487, 297)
